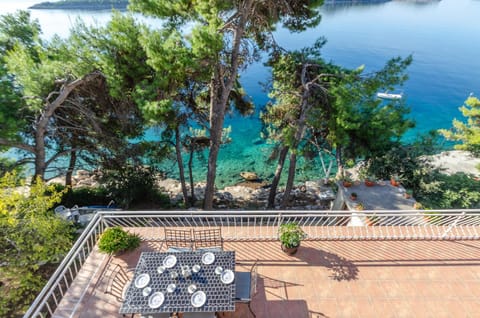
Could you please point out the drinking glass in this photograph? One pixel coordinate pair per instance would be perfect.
(173, 275)
(196, 268)
(192, 288)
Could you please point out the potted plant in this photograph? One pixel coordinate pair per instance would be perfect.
(353, 196)
(417, 206)
(408, 194)
(347, 182)
(116, 240)
(359, 206)
(290, 235)
(395, 180)
(369, 181)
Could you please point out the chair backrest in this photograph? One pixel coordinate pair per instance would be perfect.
(117, 282)
(254, 275)
(178, 238)
(211, 238)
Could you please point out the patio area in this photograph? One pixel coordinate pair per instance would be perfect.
(337, 278)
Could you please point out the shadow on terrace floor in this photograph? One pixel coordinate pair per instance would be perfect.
(345, 279)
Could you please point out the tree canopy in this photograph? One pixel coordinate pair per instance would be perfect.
(466, 133)
(333, 107)
(32, 237)
(224, 38)
(65, 104)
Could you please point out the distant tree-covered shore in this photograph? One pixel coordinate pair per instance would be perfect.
(83, 5)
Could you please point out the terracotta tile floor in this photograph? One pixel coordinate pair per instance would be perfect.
(332, 279)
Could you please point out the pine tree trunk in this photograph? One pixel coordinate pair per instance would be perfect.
(276, 178)
(181, 171)
(290, 179)
(40, 155)
(190, 173)
(71, 167)
(221, 85)
(217, 116)
(339, 160)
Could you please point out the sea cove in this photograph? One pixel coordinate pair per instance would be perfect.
(445, 70)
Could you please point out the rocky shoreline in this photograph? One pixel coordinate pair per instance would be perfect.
(311, 195)
(252, 194)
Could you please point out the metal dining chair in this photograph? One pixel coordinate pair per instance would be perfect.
(118, 281)
(208, 240)
(178, 240)
(246, 286)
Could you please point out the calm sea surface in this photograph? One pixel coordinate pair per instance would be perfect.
(443, 37)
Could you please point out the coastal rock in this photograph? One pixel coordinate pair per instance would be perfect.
(170, 185)
(249, 176)
(57, 180)
(456, 161)
(82, 174)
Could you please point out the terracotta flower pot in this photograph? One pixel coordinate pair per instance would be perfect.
(290, 250)
(347, 184)
(369, 183)
(394, 182)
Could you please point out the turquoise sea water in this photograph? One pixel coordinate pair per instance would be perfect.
(443, 37)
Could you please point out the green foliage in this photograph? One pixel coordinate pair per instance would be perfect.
(116, 239)
(290, 234)
(361, 125)
(85, 196)
(458, 191)
(467, 133)
(32, 239)
(408, 162)
(17, 29)
(10, 165)
(134, 185)
(430, 187)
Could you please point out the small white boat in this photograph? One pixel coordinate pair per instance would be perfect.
(387, 95)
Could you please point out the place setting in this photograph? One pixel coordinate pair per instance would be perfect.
(142, 280)
(208, 258)
(227, 276)
(170, 261)
(156, 300)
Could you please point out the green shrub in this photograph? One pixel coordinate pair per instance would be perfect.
(85, 196)
(290, 234)
(458, 191)
(134, 185)
(116, 239)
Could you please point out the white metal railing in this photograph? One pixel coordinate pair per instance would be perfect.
(257, 226)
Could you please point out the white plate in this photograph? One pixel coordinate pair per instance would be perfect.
(198, 299)
(142, 280)
(146, 291)
(208, 258)
(227, 276)
(156, 300)
(170, 261)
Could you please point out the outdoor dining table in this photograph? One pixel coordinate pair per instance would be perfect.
(153, 276)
